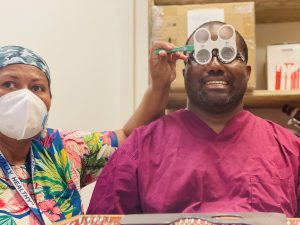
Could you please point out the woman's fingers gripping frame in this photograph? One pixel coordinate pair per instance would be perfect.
(163, 48)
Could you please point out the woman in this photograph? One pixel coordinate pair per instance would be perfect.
(42, 170)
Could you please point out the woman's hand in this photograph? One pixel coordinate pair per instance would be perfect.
(163, 65)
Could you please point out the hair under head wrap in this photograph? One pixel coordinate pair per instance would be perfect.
(18, 55)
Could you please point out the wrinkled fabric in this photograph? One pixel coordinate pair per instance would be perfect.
(179, 164)
(12, 54)
(66, 161)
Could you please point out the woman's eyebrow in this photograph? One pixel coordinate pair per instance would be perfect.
(38, 79)
(11, 76)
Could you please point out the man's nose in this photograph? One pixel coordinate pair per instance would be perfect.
(214, 59)
(215, 64)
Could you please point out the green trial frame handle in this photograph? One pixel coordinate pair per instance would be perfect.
(187, 48)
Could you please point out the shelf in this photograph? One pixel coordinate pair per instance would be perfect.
(254, 99)
(267, 11)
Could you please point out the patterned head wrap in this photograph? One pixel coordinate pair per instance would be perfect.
(18, 55)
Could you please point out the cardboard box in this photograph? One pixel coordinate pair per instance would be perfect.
(172, 22)
(283, 67)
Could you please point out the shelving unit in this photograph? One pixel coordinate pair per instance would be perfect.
(266, 11)
(255, 99)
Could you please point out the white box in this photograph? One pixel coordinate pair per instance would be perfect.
(283, 66)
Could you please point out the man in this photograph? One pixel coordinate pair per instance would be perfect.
(212, 156)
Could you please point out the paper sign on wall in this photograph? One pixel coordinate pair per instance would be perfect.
(197, 17)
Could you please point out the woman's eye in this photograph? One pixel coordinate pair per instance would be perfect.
(9, 84)
(36, 88)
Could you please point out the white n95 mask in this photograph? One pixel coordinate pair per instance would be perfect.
(22, 114)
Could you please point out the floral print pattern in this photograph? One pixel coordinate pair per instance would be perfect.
(50, 210)
(65, 162)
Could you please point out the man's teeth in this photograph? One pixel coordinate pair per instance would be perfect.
(217, 82)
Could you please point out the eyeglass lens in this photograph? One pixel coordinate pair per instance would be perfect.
(226, 32)
(202, 36)
(203, 56)
(227, 53)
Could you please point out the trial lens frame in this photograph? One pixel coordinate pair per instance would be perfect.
(224, 47)
(204, 48)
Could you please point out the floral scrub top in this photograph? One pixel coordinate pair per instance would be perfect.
(65, 162)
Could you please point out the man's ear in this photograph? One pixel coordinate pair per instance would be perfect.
(248, 70)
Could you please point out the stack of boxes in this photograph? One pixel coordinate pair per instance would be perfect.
(174, 23)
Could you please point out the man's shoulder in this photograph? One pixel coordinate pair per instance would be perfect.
(166, 122)
(166, 126)
(275, 129)
(151, 137)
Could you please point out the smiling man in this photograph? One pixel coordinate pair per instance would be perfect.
(215, 87)
(211, 157)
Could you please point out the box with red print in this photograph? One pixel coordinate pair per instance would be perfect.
(283, 67)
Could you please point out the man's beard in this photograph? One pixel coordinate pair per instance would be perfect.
(217, 103)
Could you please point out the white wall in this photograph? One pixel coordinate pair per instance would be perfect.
(141, 42)
(89, 48)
